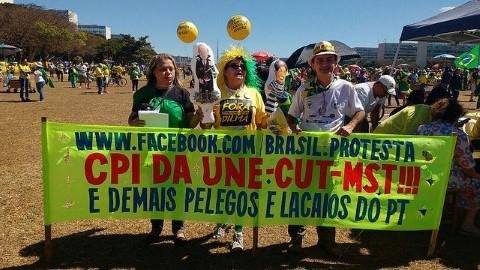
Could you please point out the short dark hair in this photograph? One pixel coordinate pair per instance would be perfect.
(416, 97)
(437, 93)
(447, 109)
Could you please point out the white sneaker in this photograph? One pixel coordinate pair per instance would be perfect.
(237, 244)
(219, 231)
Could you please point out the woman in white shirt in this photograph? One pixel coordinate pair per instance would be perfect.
(40, 76)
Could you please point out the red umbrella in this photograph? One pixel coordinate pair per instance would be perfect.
(354, 67)
(261, 56)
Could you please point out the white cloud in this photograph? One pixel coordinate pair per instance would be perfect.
(443, 9)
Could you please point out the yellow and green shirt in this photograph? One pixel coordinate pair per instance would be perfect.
(243, 110)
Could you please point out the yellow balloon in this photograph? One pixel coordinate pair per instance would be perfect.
(187, 32)
(238, 27)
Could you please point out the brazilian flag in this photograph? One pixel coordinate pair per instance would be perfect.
(468, 59)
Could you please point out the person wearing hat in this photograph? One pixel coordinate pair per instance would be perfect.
(40, 79)
(135, 75)
(373, 96)
(322, 102)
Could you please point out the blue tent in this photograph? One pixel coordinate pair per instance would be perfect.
(458, 25)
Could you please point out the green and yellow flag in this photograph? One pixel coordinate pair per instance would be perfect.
(468, 59)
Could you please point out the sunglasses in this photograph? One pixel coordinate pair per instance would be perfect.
(329, 60)
(236, 65)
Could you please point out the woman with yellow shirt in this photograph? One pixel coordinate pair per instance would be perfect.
(241, 107)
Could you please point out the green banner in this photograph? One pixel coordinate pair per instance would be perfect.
(361, 181)
(469, 59)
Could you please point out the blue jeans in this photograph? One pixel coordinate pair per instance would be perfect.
(100, 85)
(40, 89)
(23, 88)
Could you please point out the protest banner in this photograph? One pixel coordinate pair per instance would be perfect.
(365, 181)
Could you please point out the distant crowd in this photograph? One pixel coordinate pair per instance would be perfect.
(16, 76)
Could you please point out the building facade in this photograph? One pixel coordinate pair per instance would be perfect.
(386, 51)
(117, 36)
(367, 53)
(183, 61)
(100, 30)
(69, 15)
(421, 53)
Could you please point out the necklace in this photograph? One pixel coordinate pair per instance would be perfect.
(231, 92)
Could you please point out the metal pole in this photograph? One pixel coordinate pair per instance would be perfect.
(395, 58)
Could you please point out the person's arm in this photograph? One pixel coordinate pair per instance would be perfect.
(375, 116)
(475, 132)
(133, 120)
(348, 128)
(296, 109)
(355, 107)
(464, 156)
(194, 118)
(292, 124)
(260, 115)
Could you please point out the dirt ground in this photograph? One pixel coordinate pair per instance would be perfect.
(106, 244)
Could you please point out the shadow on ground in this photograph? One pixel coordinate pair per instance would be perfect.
(372, 250)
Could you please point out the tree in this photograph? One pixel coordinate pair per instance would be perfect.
(37, 31)
(126, 49)
(45, 34)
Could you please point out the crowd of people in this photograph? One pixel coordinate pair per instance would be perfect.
(327, 98)
(17, 75)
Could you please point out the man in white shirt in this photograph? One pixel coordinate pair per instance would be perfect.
(322, 103)
(373, 96)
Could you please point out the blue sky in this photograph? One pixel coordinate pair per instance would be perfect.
(279, 27)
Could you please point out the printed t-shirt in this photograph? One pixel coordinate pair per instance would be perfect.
(324, 109)
(242, 110)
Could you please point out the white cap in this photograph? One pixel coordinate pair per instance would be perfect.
(389, 82)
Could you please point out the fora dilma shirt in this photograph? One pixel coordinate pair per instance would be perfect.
(243, 109)
(324, 109)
